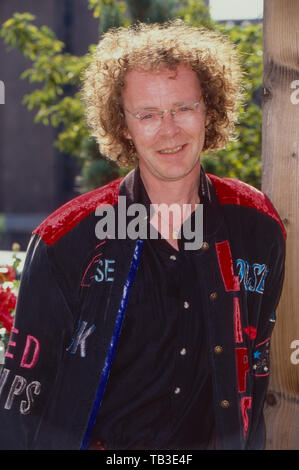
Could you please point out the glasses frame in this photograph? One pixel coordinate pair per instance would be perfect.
(162, 112)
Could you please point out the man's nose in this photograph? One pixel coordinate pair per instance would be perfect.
(168, 124)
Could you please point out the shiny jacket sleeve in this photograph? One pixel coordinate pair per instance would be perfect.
(42, 325)
(261, 344)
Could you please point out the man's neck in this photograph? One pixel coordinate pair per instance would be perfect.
(181, 191)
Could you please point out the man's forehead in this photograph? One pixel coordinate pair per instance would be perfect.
(178, 72)
(143, 86)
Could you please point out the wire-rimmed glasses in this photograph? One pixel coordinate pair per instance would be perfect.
(152, 117)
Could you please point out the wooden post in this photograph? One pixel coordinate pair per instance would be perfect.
(280, 181)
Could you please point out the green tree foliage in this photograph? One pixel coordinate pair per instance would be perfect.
(110, 13)
(196, 13)
(55, 71)
(242, 158)
(151, 11)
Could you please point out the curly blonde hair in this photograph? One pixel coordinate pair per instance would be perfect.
(150, 47)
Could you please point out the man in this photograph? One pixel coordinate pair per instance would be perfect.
(124, 342)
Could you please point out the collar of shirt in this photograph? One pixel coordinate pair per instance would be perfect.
(133, 188)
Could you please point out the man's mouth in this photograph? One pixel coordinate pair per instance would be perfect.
(172, 150)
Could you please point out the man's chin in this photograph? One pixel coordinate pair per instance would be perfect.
(175, 174)
(173, 177)
(169, 173)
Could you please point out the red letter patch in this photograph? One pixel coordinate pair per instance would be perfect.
(242, 367)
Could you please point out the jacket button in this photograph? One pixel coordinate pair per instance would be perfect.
(213, 296)
(205, 246)
(225, 404)
(218, 349)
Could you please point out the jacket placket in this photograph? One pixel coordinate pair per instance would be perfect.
(225, 315)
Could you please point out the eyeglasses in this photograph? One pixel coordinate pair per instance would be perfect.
(153, 117)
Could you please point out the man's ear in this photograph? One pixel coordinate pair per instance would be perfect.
(127, 134)
(207, 120)
(125, 130)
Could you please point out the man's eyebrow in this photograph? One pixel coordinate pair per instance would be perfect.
(148, 108)
(180, 103)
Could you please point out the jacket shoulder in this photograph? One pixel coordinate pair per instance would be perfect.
(233, 191)
(66, 217)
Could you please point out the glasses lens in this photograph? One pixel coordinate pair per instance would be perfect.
(185, 112)
(150, 119)
(181, 114)
(149, 115)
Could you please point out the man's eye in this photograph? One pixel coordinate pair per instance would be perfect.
(146, 116)
(184, 108)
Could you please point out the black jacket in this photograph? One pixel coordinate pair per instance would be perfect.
(67, 325)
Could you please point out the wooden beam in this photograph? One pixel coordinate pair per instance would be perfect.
(280, 181)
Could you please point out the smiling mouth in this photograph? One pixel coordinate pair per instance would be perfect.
(173, 150)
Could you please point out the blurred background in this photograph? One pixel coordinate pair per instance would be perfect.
(46, 154)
